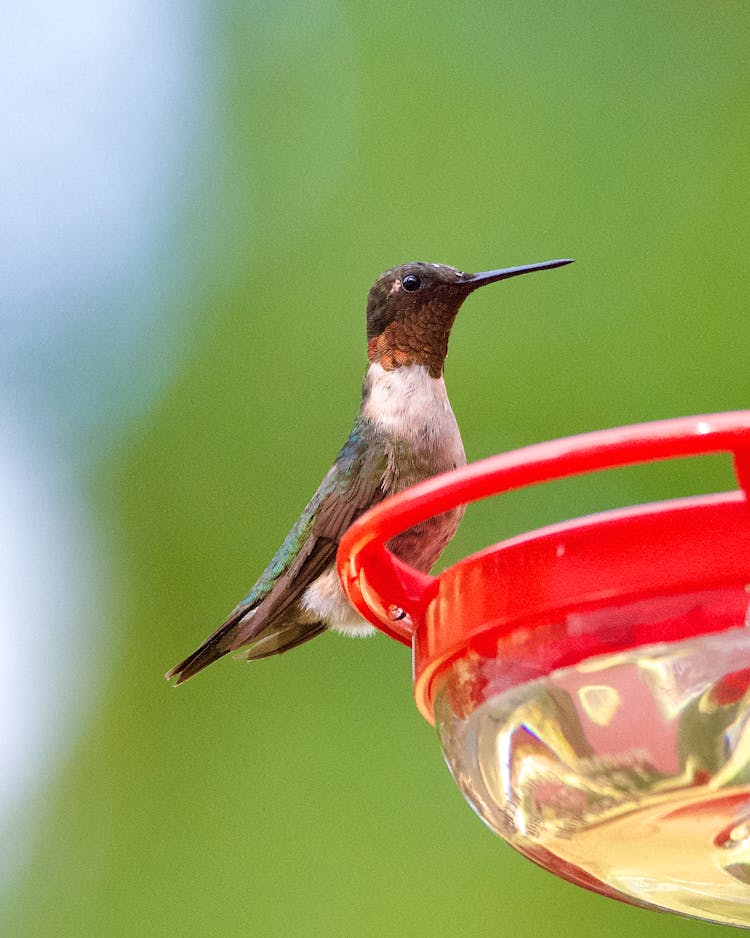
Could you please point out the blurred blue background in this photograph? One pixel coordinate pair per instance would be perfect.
(196, 199)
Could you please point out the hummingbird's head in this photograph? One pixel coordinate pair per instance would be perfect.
(411, 310)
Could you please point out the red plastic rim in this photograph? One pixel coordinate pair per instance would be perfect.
(677, 546)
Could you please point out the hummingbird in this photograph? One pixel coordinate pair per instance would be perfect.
(405, 431)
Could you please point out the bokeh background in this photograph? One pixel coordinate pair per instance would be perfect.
(196, 198)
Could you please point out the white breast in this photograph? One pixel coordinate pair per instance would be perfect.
(409, 404)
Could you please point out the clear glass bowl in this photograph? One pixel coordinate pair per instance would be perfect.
(627, 773)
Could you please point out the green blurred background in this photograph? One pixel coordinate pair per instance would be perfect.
(198, 198)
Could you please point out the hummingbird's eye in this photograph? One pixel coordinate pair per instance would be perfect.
(411, 282)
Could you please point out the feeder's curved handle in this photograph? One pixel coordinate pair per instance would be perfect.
(369, 572)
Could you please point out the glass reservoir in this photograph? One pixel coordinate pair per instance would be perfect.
(626, 773)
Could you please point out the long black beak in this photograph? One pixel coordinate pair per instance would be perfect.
(492, 276)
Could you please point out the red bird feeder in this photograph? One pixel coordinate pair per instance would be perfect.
(590, 681)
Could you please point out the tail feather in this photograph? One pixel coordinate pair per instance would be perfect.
(223, 640)
(283, 639)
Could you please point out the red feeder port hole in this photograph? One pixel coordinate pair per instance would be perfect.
(590, 680)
